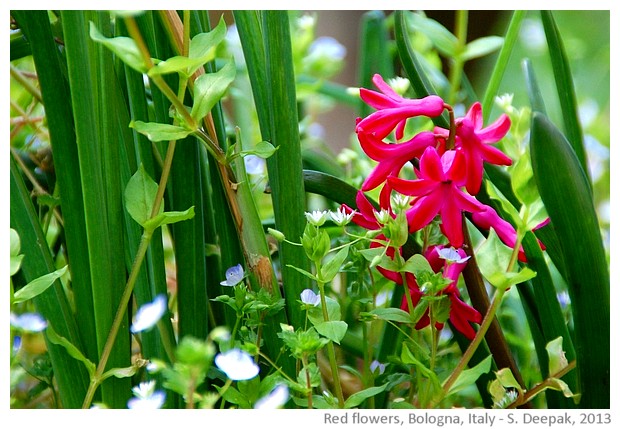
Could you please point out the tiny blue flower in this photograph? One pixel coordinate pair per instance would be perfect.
(376, 365)
(149, 314)
(30, 322)
(452, 255)
(234, 276)
(237, 365)
(275, 399)
(254, 164)
(309, 297)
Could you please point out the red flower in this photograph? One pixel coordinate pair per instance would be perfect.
(391, 157)
(461, 314)
(438, 191)
(474, 141)
(394, 110)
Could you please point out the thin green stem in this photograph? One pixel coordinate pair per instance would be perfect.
(118, 318)
(484, 326)
(25, 83)
(456, 71)
(331, 353)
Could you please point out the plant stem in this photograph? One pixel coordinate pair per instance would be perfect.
(486, 322)
(331, 353)
(118, 318)
(456, 71)
(541, 386)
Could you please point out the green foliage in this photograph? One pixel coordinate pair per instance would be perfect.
(148, 194)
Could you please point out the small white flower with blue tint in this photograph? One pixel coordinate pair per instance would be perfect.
(340, 217)
(254, 164)
(237, 365)
(29, 322)
(149, 314)
(375, 366)
(146, 397)
(316, 217)
(328, 48)
(275, 399)
(452, 255)
(309, 297)
(234, 276)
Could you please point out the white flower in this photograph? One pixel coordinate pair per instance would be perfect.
(376, 365)
(452, 255)
(254, 164)
(309, 297)
(400, 85)
(400, 202)
(382, 216)
(31, 322)
(327, 47)
(234, 276)
(340, 217)
(146, 397)
(149, 314)
(317, 217)
(237, 365)
(275, 399)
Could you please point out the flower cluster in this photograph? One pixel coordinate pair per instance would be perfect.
(448, 168)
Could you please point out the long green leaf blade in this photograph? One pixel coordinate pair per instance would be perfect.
(565, 87)
(558, 174)
(71, 375)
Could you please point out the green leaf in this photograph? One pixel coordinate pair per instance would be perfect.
(305, 273)
(557, 358)
(129, 371)
(333, 265)
(565, 191)
(482, 46)
(392, 314)
(493, 258)
(204, 44)
(358, 397)
(210, 88)
(469, 376)
(315, 314)
(139, 196)
(334, 330)
(440, 36)
(38, 286)
(166, 218)
(124, 47)
(522, 182)
(507, 379)
(506, 205)
(16, 258)
(71, 349)
(157, 132)
(178, 64)
(262, 149)
(417, 265)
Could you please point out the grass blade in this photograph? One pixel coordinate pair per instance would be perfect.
(502, 62)
(106, 268)
(565, 88)
(558, 173)
(70, 374)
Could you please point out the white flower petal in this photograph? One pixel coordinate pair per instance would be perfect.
(237, 365)
(31, 322)
(275, 399)
(149, 314)
(309, 297)
(154, 402)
